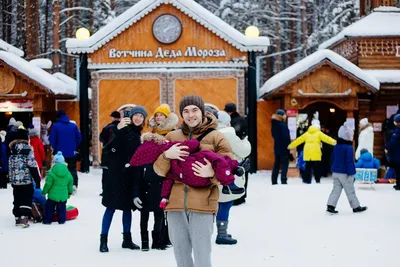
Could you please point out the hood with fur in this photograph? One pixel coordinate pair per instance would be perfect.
(169, 124)
(277, 117)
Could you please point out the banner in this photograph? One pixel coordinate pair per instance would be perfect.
(16, 105)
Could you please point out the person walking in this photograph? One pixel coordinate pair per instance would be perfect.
(119, 180)
(190, 210)
(147, 196)
(343, 171)
(393, 150)
(312, 150)
(66, 137)
(280, 133)
(38, 149)
(241, 148)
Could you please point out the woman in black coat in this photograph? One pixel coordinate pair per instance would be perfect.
(147, 194)
(119, 180)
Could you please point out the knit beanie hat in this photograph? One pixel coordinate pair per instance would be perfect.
(12, 121)
(223, 118)
(140, 110)
(60, 113)
(345, 132)
(59, 158)
(33, 132)
(230, 107)
(163, 109)
(396, 119)
(280, 112)
(364, 150)
(192, 100)
(20, 134)
(364, 122)
(212, 111)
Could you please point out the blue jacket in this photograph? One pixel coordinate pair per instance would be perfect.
(393, 146)
(366, 161)
(65, 137)
(38, 195)
(343, 158)
(300, 162)
(3, 158)
(281, 135)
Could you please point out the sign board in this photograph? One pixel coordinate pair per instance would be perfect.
(351, 122)
(292, 112)
(397, 51)
(390, 110)
(377, 126)
(16, 105)
(292, 125)
(190, 51)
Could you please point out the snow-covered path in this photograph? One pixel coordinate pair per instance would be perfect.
(283, 226)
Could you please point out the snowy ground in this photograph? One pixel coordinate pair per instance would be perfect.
(278, 226)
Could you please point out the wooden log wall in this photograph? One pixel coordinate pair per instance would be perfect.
(378, 53)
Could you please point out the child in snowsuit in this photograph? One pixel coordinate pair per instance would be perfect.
(343, 171)
(59, 187)
(22, 171)
(38, 149)
(38, 204)
(366, 161)
(225, 168)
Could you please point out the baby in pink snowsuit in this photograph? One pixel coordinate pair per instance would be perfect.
(154, 145)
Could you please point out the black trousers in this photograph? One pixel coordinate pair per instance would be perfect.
(23, 195)
(158, 221)
(72, 169)
(280, 160)
(3, 180)
(396, 167)
(312, 167)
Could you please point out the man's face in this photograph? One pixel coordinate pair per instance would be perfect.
(137, 119)
(159, 117)
(192, 116)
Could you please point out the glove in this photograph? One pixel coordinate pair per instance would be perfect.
(163, 203)
(243, 167)
(137, 202)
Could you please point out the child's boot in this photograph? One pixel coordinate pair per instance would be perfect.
(157, 242)
(145, 241)
(360, 209)
(232, 189)
(223, 238)
(17, 221)
(331, 209)
(103, 243)
(127, 243)
(24, 221)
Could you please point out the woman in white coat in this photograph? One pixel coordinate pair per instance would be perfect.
(240, 150)
(365, 138)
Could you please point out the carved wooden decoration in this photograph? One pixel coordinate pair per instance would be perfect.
(7, 80)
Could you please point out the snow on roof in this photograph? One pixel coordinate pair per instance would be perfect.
(43, 63)
(9, 48)
(189, 7)
(309, 62)
(385, 76)
(71, 82)
(35, 73)
(384, 21)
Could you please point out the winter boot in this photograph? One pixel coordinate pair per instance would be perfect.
(157, 243)
(18, 221)
(127, 243)
(331, 209)
(360, 209)
(145, 241)
(223, 238)
(232, 189)
(24, 222)
(103, 243)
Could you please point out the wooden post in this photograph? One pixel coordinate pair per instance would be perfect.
(56, 36)
(350, 114)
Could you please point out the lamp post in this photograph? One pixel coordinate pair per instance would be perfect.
(252, 32)
(83, 81)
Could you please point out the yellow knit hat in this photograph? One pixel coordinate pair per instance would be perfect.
(163, 109)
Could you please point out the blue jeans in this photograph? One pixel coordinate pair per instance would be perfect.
(61, 209)
(107, 219)
(223, 210)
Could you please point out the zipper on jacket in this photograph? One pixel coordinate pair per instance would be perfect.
(185, 186)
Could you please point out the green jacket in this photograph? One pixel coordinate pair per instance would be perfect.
(59, 183)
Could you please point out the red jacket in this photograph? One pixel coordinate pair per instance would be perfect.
(38, 149)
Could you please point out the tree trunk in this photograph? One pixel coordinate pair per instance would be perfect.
(21, 25)
(278, 40)
(70, 34)
(46, 27)
(6, 20)
(304, 26)
(56, 35)
(32, 28)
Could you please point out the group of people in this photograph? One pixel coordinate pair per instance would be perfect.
(163, 172)
(23, 162)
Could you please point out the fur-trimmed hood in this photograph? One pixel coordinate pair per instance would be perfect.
(148, 137)
(169, 124)
(278, 117)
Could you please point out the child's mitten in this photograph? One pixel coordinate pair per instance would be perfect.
(163, 203)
